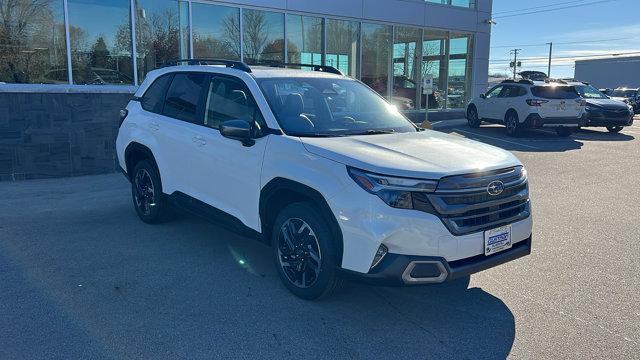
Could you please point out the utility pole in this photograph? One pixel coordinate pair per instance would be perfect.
(515, 61)
(550, 52)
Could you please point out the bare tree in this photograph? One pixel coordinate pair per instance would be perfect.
(255, 34)
(30, 40)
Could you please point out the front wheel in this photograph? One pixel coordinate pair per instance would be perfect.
(304, 252)
(472, 117)
(614, 129)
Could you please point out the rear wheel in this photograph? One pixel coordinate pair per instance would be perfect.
(304, 252)
(614, 129)
(563, 131)
(146, 189)
(512, 124)
(472, 117)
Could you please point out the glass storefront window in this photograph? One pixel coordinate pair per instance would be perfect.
(304, 39)
(100, 36)
(376, 42)
(406, 67)
(32, 43)
(342, 45)
(158, 34)
(434, 64)
(459, 73)
(216, 31)
(461, 3)
(263, 36)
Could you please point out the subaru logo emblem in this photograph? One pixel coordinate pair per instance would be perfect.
(495, 187)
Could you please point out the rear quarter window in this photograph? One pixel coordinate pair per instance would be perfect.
(153, 98)
(555, 92)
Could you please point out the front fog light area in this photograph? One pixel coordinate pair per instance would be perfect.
(382, 251)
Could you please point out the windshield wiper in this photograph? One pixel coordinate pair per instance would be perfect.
(374, 132)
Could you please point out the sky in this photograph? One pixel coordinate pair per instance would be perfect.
(593, 27)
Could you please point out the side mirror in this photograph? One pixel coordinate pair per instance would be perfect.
(483, 96)
(238, 130)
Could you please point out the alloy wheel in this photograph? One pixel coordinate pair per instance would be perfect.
(144, 193)
(512, 124)
(299, 253)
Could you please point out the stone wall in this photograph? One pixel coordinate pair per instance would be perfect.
(44, 135)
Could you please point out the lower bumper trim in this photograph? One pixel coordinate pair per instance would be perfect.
(399, 270)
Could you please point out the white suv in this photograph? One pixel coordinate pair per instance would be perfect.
(326, 171)
(529, 104)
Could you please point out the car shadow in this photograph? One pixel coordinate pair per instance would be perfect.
(601, 134)
(527, 141)
(191, 289)
(364, 321)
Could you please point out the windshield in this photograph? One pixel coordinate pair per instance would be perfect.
(331, 107)
(623, 93)
(589, 92)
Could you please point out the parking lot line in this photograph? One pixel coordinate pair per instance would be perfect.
(498, 139)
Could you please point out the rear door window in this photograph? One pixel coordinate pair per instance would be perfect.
(555, 92)
(153, 98)
(184, 97)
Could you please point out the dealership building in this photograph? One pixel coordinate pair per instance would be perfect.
(68, 66)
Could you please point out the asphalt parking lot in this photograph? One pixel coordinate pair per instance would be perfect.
(82, 277)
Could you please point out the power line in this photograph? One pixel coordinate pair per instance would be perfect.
(554, 9)
(539, 7)
(563, 43)
(567, 57)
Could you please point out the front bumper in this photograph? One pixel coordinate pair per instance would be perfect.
(407, 270)
(602, 118)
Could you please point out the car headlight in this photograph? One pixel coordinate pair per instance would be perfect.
(394, 191)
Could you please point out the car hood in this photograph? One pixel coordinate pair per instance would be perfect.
(609, 104)
(426, 154)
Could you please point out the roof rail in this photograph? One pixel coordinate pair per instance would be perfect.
(526, 81)
(508, 81)
(239, 65)
(315, 67)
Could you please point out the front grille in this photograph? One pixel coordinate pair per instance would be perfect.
(465, 206)
(617, 114)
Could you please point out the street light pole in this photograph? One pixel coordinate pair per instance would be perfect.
(550, 52)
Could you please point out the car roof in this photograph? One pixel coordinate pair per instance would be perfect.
(261, 72)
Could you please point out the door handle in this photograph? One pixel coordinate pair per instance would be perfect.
(154, 126)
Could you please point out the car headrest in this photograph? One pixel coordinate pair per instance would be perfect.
(293, 105)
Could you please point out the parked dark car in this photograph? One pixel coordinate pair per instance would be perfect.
(630, 96)
(603, 111)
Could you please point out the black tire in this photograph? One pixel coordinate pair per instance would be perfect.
(472, 117)
(512, 124)
(563, 131)
(614, 129)
(146, 190)
(308, 263)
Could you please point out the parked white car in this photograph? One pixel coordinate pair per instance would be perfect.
(527, 104)
(326, 171)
